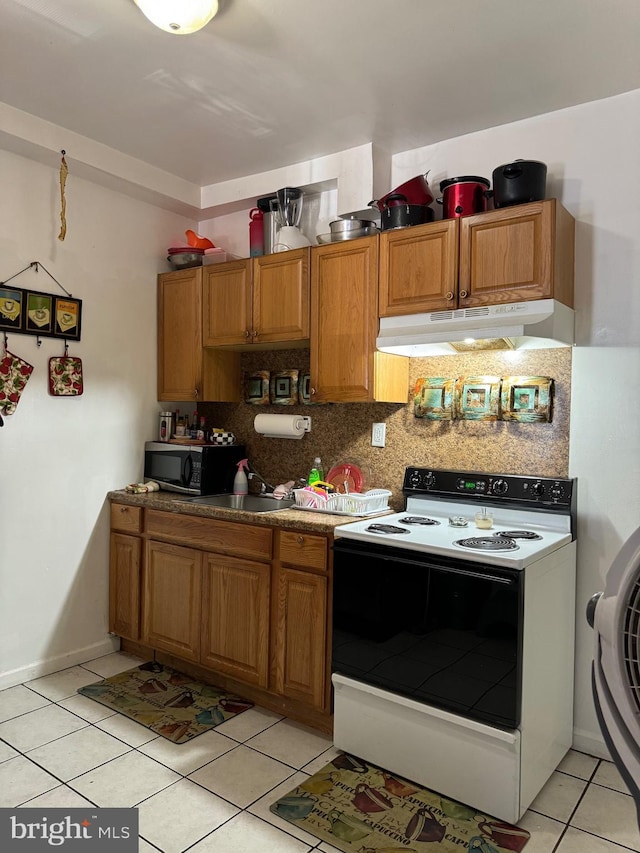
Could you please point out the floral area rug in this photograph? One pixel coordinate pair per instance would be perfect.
(360, 808)
(166, 701)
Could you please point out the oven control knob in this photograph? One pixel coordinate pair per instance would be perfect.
(537, 490)
(500, 487)
(428, 480)
(414, 479)
(557, 491)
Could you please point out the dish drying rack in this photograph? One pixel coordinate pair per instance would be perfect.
(373, 502)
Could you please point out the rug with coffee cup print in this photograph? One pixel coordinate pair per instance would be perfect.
(166, 701)
(360, 808)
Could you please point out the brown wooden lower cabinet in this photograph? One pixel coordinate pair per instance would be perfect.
(251, 610)
(235, 618)
(300, 640)
(171, 599)
(125, 562)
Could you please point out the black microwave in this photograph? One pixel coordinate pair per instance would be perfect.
(193, 469)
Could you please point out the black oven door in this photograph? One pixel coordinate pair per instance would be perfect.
(439, 630)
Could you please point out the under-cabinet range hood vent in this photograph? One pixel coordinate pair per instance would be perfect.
(539, 324)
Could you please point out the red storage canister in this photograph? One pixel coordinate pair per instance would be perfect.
(256, 233)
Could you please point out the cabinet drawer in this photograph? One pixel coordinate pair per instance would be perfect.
(302, 549)
(127, 518)
(225, 537)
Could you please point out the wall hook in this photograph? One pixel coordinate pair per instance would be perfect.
(38, 340)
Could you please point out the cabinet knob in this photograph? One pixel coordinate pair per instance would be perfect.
(300, 540)
(312, 392)
(464, 294)
(254, 334)
(124, 509)
(247, 333)
(449, 295)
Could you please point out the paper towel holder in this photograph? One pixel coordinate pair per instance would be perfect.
(301, 424)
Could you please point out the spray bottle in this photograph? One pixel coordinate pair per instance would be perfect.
(240, 481)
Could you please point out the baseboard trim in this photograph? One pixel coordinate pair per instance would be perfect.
(46, 667)
(591, 744)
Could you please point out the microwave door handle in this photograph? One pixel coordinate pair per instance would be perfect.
(187, 470)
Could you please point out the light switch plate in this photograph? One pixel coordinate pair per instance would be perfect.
(378, 435)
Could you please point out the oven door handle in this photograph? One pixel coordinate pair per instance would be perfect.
(483, 574)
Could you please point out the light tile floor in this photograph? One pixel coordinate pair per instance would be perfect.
(59, 749)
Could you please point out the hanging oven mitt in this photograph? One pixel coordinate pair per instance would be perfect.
(65, 375)
(14, 375)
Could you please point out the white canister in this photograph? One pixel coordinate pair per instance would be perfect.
(166, 426)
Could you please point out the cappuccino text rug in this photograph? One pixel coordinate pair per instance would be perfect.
(360, 808)
(166, 701)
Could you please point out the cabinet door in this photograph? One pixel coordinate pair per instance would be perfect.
(507, 255)
(180, 335)
(171, 604)
(235, 625)
(419, 268)
(344, 320)
(300, 636)
(281, 297)
(125, 559)
(227, 304)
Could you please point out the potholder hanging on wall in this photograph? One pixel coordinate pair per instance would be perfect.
(14, 375)
(65, 375)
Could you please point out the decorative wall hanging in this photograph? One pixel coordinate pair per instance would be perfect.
(32, 312)
(14, 375)
(64, 171)
(256, 387)
(304, 389)
(65, 375)
(526, 399)
(477, 398)
(283, 388)
(433, 398)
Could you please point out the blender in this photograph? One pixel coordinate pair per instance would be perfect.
(287, 209)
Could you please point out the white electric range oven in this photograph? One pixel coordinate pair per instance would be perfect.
(453, 645)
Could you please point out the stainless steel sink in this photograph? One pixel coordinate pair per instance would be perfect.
(247, 503)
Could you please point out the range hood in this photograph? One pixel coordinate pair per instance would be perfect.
(539, 324)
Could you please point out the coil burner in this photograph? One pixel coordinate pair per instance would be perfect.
(488, 543)
(519, 534)
(385, 528)
(417, 519)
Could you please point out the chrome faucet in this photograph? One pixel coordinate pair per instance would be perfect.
(265, 488)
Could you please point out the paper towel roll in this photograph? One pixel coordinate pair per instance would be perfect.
(280, 426)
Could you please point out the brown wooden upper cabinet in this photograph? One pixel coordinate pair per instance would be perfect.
(187, 371)
(512, 254)
(345, 365)
(261, 302)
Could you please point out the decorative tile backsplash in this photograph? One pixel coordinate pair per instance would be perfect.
(342, 431)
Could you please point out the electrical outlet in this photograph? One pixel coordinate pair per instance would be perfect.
(378, 435)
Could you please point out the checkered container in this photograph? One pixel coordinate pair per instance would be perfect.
(224, 438)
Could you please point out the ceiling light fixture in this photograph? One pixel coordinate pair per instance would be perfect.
(180, 17)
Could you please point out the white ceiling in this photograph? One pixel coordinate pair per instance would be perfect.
(273, 82)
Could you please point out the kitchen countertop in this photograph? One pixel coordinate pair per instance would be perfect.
(291, 518)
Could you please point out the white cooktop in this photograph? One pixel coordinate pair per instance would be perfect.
(441, 539)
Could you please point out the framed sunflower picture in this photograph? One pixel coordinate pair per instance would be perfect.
(526, 399)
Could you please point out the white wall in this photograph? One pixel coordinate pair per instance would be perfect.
(59, 456)
(592, 155)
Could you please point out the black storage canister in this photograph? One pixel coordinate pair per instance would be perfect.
(519, 182)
